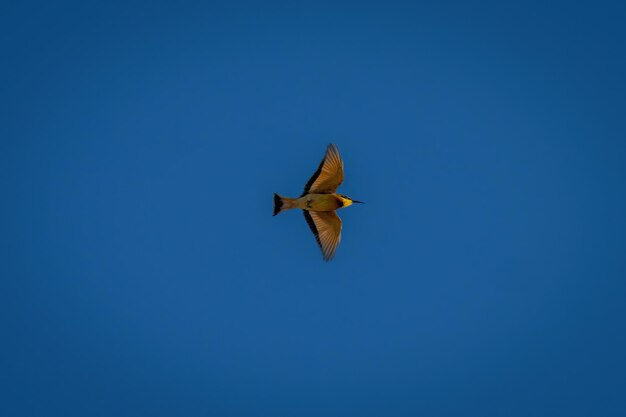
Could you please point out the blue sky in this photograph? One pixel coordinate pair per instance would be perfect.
(142, 271)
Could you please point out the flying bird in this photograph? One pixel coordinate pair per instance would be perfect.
(319, 202)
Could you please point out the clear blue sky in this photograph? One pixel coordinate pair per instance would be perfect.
(142, 273)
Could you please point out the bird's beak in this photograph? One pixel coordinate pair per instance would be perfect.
(356, 201)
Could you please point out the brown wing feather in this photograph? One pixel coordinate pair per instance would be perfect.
(326, 227)
(329, 174)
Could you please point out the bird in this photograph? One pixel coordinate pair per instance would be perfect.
(319, 202)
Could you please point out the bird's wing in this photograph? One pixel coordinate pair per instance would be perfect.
(326, 226)
(329, 174)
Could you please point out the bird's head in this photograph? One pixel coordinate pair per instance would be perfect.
(347, 201)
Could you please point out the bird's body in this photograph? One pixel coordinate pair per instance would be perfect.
(319, 201)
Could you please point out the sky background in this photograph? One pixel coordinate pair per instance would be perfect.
(142, 273)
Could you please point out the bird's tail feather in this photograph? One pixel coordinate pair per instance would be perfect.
(283, 203)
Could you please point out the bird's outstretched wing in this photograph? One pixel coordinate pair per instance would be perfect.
(329, 174)
(326, 226)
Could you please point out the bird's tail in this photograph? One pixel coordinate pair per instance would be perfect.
(283, 203)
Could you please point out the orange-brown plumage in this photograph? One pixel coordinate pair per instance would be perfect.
(319, 202)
